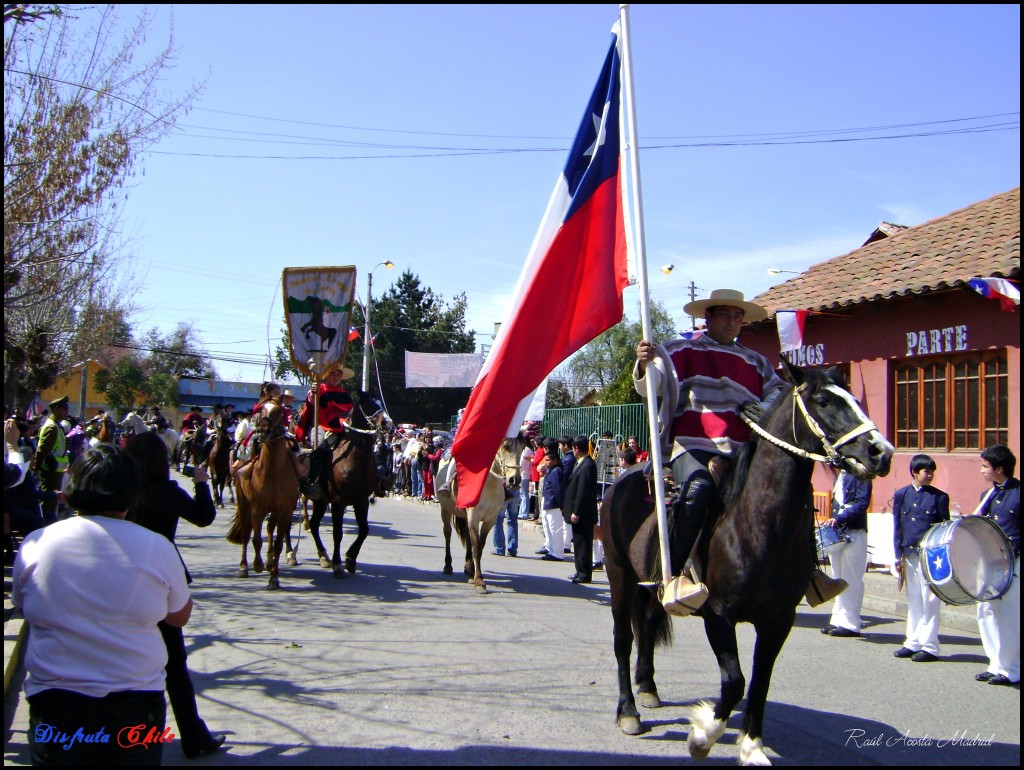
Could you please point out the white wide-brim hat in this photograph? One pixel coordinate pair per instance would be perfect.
(727, 298)
(346, 373)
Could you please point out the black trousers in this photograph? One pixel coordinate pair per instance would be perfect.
(583, 550)
(193, 731)
(124, 728)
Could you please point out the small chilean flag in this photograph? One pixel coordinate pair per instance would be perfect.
(353, 333)
(998, 289)
(569, 292)
(790, 324)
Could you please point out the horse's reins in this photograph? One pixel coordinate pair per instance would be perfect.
(831, 456)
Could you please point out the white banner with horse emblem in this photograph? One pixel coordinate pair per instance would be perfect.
(317, 307)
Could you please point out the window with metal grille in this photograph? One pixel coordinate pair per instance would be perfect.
(951, 403)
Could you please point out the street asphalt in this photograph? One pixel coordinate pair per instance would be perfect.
(402, 665)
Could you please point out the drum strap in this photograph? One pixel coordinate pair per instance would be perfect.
(984, 502)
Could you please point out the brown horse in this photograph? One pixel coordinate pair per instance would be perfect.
(270, 494)
(755, 556)
(474, 524)
(219, 463)
(351, 481)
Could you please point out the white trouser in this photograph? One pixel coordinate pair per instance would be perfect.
(849, 563)
(554, 531)
(923, 608)
(999, 625)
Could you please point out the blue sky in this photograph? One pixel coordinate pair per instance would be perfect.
(432, 136)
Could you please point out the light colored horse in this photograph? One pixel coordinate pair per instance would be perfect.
(134, 424)
(474, 524)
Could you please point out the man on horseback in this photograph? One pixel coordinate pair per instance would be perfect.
(193, 419)
(717, 380)
(156, 419)
(333, 406)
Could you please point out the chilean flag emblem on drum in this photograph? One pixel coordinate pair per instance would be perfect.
(938, 563)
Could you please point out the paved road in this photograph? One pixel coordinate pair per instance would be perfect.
(403, 665)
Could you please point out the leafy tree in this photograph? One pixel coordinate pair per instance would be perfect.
(412, 317)
(124, 386)
(78, 112)
(162, 390)
(178, 354)
(559, 395)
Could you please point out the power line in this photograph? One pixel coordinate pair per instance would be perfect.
(815, 136)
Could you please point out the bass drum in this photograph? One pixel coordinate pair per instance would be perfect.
(967, 560)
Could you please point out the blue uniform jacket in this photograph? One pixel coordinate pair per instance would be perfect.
(915, 511)
(856, 498)
(1004, 507)
(554, 488)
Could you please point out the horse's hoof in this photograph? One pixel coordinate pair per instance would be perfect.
(630, 725)
(339, 572)
(350, 565)
(290, 559)
(448, 569)
(258, 566)
(482, 589)
(697, 751)
(274, 584)
(649, 700)
(243, 572)
(325, 562)
(752, 753)
(305, 525)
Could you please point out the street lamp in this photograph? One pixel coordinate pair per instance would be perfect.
(366, 317)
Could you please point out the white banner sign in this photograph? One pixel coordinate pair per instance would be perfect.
(442, 370)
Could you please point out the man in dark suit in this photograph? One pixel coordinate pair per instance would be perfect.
(581, 509)
(915, 509)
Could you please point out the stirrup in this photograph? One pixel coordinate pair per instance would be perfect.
(682, 597)
(823, 589)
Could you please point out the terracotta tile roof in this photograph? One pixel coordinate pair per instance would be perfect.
(980, 240)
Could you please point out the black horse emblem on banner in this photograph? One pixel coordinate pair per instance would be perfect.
(316, 325)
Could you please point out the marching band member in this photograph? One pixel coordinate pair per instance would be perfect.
(999, 620)
(916, 508)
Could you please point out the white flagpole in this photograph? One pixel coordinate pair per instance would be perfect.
(645, 312)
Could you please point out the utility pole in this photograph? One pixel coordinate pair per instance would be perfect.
(693, 288)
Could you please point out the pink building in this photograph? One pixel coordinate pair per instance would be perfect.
(935, 364)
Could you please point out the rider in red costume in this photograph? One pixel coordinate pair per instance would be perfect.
(193, 419)
(335, 407)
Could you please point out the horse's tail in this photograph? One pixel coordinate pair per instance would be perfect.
(652, 614)
(234, 534)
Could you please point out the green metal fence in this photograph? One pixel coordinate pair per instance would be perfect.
(623, 420)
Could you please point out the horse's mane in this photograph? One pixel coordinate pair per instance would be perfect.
(815, 378)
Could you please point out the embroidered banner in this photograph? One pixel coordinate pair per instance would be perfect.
(317, 307)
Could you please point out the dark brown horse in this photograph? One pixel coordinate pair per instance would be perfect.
(219, 463)
(350, 481)
(194, 449)
(755, 555)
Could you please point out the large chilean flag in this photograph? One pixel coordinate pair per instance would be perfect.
(569, 292)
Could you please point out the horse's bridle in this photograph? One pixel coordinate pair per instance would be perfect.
(832, 456)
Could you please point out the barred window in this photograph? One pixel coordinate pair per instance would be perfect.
(951, 403)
